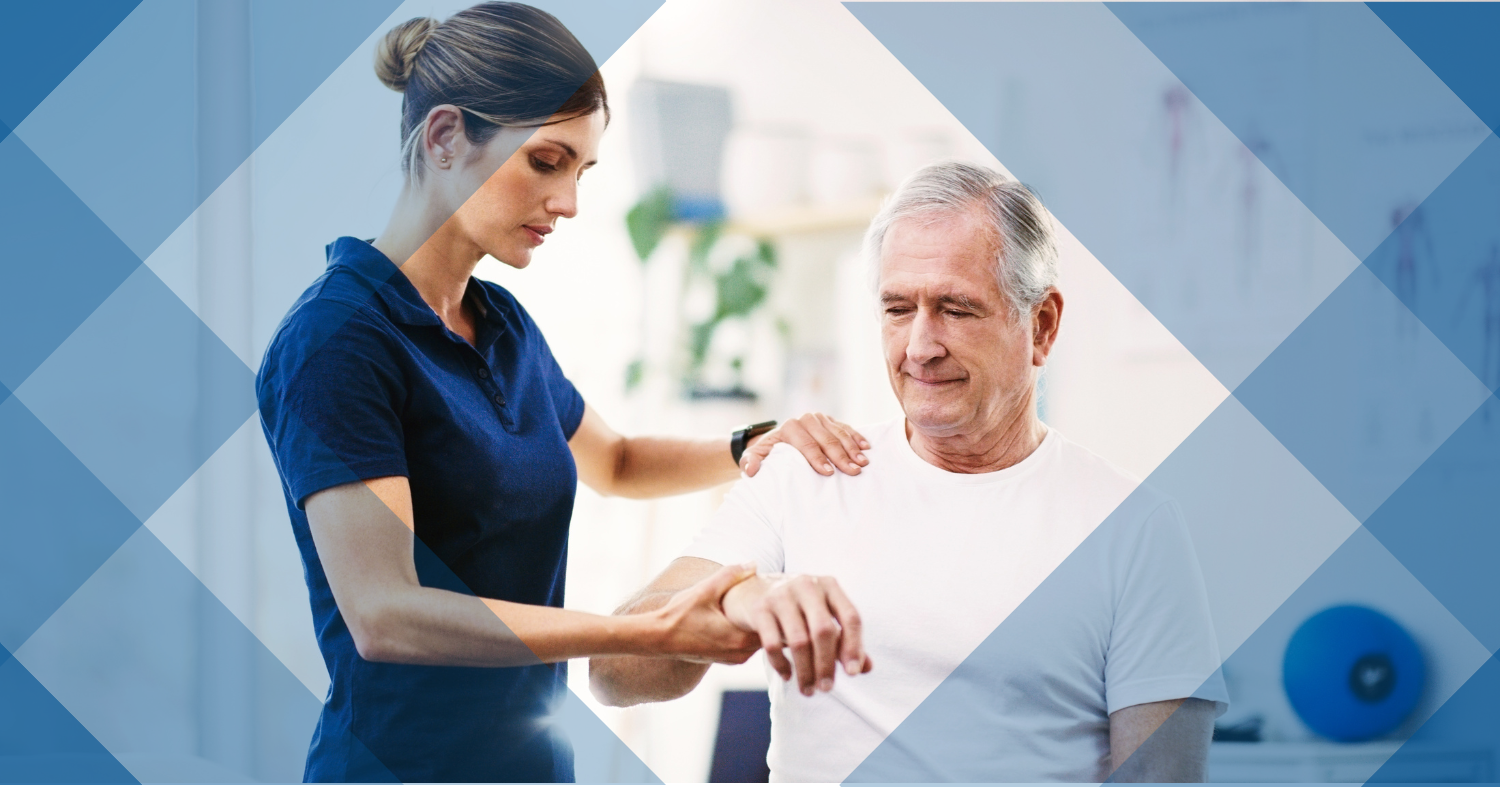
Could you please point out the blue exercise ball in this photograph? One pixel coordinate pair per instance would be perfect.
(1352, 674)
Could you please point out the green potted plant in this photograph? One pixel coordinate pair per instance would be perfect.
(740, 285)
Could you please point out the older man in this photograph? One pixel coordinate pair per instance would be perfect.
(967, 505)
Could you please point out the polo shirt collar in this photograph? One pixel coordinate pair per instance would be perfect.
(400, 296)
(494, 313)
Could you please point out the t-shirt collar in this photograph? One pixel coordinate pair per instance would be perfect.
(1047, 448)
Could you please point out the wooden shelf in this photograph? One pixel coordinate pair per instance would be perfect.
(793, 220)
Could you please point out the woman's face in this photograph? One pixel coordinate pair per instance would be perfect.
(513, 210)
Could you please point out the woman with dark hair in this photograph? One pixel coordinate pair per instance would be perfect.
(430, 447)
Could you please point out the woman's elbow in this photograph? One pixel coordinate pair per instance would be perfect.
(619, 486)
(372, 631)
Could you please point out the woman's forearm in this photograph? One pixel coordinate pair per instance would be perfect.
(647, 467)
(430, 626)
(650, 467)
(364, 538)
(420, 625)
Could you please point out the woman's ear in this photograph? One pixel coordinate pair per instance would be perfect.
(443, 136)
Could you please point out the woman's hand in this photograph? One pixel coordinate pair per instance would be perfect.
(693, 626)
(828, 445)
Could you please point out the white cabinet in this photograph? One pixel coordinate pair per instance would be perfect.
(1303, 763)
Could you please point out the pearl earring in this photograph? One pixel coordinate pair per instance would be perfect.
(444, 160)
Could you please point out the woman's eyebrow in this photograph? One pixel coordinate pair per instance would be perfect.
(569, 149)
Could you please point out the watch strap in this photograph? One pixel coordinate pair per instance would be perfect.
(740, 439)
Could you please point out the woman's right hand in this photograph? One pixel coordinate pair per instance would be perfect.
(692, 625)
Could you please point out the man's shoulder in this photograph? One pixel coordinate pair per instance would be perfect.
(785, 464)
(1081, 466)
(1138, 507)
(1124, 506)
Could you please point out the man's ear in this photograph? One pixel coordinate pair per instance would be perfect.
(1046, 319)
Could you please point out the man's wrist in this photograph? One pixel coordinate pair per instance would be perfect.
(739, 599)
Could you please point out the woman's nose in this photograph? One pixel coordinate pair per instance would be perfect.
(564, 201)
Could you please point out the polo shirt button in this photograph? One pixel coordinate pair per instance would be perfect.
(500, 400)
(483, 373)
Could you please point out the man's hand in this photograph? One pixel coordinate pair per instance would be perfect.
(827, 444)
(809, 615)
(693, 624)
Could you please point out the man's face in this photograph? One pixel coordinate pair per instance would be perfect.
(957, 361)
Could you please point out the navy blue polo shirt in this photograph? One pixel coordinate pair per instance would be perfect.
(362, 380)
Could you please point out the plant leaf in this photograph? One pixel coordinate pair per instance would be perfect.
(634, 374)
(648, 221)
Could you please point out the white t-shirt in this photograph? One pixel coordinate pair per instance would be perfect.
(936, 561)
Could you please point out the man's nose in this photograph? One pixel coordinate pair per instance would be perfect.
(922, 344)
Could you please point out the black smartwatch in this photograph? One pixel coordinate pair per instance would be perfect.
(742, 437)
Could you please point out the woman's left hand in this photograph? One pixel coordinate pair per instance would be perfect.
(828, 445)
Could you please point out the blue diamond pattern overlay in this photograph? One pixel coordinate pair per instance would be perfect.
(142, 392)
(1444, 523)
(1362, 393)
(1329, 119)
(41, 743)
(62, 262)
(1443, 262)
(62, 524)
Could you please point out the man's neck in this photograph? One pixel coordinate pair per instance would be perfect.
(989, 450)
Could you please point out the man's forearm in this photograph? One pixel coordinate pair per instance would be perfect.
(629, 680)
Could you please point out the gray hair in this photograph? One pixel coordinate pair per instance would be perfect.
(1026, 260)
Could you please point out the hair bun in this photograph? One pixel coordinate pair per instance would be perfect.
(396, 55)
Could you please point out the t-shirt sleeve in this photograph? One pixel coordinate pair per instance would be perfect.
(748, 526)
(332, 413)
(1162, 644)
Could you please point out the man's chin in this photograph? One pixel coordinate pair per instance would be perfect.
(938, 422)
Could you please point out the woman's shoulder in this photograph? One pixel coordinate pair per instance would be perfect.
(336, 312)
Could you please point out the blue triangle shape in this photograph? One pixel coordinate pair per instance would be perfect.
(602, 26)
(40, 742)
(51, 47)
(1441, 523)
(1459, 742)
(1457, 41)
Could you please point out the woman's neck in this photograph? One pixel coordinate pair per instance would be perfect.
(429, 249)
